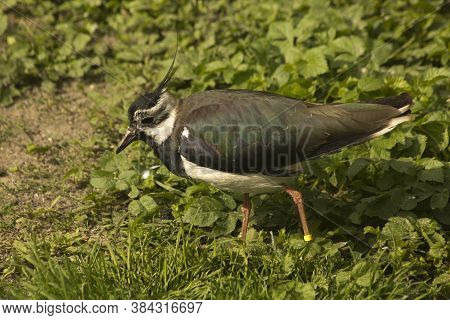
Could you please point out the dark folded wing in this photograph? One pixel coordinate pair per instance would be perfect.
(247, 132)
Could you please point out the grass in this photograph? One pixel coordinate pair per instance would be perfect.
(183, 267)
(78, 222)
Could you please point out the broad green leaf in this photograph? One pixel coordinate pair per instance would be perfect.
(381, 52)
(438, 134)
(3, 23)
(130, 54)
(343, 277)
(197, 217)
(356, 167)
(226, 225)
(203, 212)
(294, 290)
(107, 162)
(435, 74)
(237, 59)
(439, 200)
(148, 203)
(283, 73)
(314, 63)
(368, 84)
(385, 181)
(134, 192)
(80, 41)
(436, 175)
(215, 66)
(396, 230)
(353, 45)
(228, 200)
(442, 279)
(368, 279)
(135, 207)
(403, 166)
(121, 185)
(306, 27)
(197, 188)
(121, 161)
(430, 163)
(128, 175)
(102, 180)
(282, 30)
(409, 202)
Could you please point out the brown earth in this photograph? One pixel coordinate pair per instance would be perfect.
(43, 157)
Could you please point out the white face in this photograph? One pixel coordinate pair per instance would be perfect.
(162, 130)
(157, 122)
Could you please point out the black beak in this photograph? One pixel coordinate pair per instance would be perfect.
(129, 137)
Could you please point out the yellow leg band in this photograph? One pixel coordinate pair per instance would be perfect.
(308, 237)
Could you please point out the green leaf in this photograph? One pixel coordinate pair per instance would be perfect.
(281, 30)
(237, 59)
(438, 134)
(3, 23)
(204, 212)
(436, 175)
(283, 73)
(227, 224)
(443, 279)
(135, 207)
(215, 66)
(365, 274)
(201, 218)
(294, 290)
(403, 166)
(430, 163)
(199, 188)
(121, 162)
(149, 204)
(134, 192)
(129, 176)
(343, 277)
(130, 54)
(80, 41)
(381, 53)
(435, 74)
(306, 27)
(353, 45)
(314, 63)
(228, 200)
(107, 162)
(368, 279)
(439, 200)
(370, 84)
(397, 229)
(121, 185)
(356, 167)
(32, 148)
(102, 180)
(385, 181)
(408, 203)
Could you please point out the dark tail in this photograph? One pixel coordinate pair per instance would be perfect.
(403, 102)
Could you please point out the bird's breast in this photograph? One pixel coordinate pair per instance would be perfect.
(243, 183)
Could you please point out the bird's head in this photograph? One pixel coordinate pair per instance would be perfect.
(151, 116)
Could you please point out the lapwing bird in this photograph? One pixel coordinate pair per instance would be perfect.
(253, 142)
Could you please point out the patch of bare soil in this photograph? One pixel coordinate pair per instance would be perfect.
(43, 157)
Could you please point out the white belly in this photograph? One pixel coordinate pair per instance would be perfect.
(248, 183)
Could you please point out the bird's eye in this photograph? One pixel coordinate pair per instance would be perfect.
(147, 121)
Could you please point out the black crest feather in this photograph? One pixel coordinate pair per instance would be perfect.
(150, 99)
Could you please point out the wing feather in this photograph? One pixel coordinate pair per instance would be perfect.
(243, 131)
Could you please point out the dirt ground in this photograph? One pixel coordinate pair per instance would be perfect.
(42, 159)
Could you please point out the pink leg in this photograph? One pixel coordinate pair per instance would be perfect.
(246, 207)
(298, 200)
